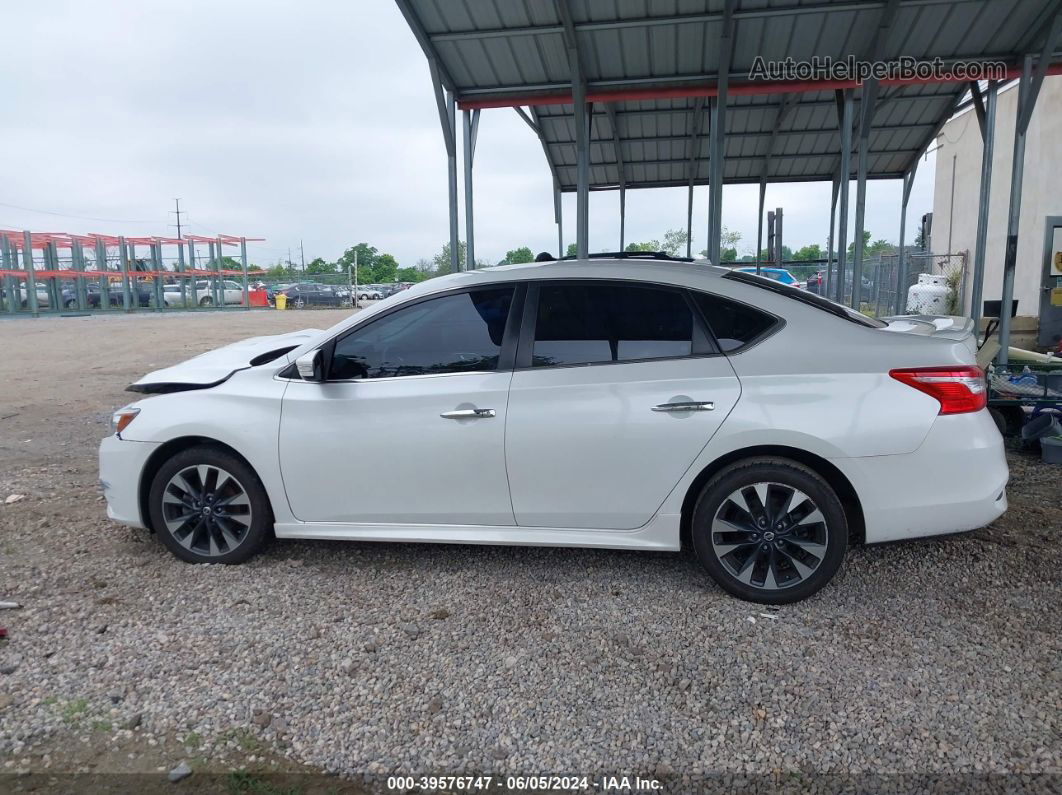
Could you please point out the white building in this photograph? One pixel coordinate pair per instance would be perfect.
(955, 219)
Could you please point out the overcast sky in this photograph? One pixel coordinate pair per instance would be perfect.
(291, 121)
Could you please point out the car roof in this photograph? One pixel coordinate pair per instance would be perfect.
(656, 271)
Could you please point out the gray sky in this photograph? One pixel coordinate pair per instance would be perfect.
(291, 121)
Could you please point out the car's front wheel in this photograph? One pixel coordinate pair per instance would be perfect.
(208, 301)
(208, 506)
(769, 530)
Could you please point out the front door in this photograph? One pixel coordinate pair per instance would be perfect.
(620, 391)
(1051, 286)
(409, 426)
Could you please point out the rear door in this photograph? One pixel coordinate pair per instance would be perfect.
(618, 388)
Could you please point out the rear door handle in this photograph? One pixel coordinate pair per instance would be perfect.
(468, 414)
(692, 405)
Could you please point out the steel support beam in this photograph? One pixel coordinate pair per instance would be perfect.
(845, 172)
(181, 278)
(156, 282)
(31, 276)
(583, 120)
(612, 122)
(767, 12)
(243, 266)
(717, 135)
(446, 107)
(1028, 91)
(101, 267)
(195, 278)
(830, 259)
(12, 300)
(470, 129)
(691, 169)
(901, 264)
(534, 121)
(987, 121)
(558, 217)
(866, 113)
(759, 222)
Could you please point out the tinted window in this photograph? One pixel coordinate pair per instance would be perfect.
(451, 334)
(733, 324)
(588, 323)
(817, 301)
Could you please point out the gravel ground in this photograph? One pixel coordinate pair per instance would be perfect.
(937, 659)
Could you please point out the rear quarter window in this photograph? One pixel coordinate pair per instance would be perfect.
(735, 325)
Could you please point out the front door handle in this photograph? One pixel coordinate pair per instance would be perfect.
(691, 405)
(468, 414)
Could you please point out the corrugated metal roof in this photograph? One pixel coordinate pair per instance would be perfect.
(504, 48)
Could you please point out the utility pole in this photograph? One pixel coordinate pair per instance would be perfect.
(302, 256)
(177, 202)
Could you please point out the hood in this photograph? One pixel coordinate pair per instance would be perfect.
(213, 367)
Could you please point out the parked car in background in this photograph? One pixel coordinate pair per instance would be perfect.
(312, 294)
(594, 403)
(369, 294)
(816, 283)
(780, 275)
(93, 296)
(231, 292)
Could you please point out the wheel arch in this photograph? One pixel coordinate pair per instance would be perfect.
(165, 452)
(853, 509)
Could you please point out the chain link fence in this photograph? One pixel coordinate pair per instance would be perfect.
(934, 284)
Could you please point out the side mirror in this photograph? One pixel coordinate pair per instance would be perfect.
(311, 366)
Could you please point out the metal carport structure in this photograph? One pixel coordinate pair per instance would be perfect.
(631, 94)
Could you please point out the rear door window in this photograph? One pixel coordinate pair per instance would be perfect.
(581, 323)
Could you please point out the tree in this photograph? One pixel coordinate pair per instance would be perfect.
(442, 259)
(920, 238)
(674, 241)
(572, 250)
(384, 269)
(366, 256)
(652, 245)
(414, 274)
(879, 246)
(728, 254)
(852, 245)
(727, 240)
(520, 255)
(425, 266)
(808, 253)
(318, 265)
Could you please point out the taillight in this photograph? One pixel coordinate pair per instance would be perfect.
(959, 389)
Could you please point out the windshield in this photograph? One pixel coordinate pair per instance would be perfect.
(817, 301)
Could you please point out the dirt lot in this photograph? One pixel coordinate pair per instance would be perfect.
(936, 658)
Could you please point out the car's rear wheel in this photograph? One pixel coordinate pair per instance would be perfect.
(300, 303)
(208, 506)
(208, 301)
(71, 303)
(769, 530)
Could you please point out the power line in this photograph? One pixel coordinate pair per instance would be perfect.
(79, 217)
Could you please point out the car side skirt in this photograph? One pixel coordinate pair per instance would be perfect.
(660, 534)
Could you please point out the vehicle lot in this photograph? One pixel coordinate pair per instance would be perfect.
(930, 657)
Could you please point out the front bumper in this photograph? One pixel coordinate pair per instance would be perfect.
(955, 481)
(121, 464)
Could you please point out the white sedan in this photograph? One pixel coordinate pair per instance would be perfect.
(591, 404)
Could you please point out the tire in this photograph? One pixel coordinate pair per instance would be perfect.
(208, 301)
(769, 564)
(300, 303)
(239, 520)
(71, 304)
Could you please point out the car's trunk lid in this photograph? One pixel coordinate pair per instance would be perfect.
(940, 327)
